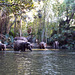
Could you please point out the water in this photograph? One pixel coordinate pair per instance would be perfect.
(37, 62)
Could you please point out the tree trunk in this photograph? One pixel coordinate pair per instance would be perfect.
(20, 27)
(43, 38)
(4, 22)
(15, 23)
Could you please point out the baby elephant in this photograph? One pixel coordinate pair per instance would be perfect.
(42, 45)
(2, 47)
(21, 45)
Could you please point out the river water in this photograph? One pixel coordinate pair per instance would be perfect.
(37, 62)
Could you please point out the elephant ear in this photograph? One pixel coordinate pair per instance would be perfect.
(29, 44)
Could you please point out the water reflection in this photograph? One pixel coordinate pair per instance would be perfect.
(37, 63)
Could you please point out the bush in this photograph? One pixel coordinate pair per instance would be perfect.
(66, 39)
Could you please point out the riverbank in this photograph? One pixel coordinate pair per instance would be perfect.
(8, 49)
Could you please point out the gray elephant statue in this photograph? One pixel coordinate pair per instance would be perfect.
(21, 45)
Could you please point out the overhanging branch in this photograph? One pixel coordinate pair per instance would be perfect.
(14, 4)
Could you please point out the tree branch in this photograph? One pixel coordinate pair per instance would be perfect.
(14, 4)
(6, 4)
(12, 24)
(71, 16)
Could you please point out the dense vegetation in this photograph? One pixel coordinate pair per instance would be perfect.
(46, 20)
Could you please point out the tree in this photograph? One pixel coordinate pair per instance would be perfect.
(67, 10)
(15, 7)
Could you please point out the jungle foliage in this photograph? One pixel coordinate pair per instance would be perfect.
(46, 20)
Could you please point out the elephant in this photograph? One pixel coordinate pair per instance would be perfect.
(42, 45)
(21, 45)
(2, 47)
(56, 45)
(21, 38)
